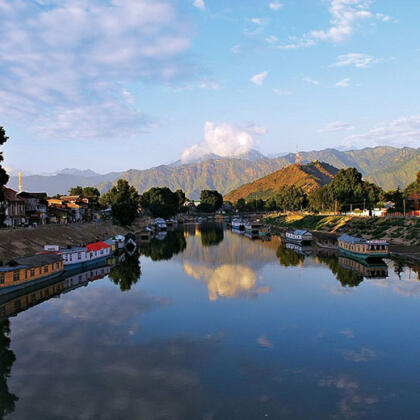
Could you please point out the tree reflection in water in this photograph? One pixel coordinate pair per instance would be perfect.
(7, 358)
(211, 234)
(347, 277)
(288, 257)
(157, 250)
(127, 272)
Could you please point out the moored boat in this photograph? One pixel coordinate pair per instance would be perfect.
(23, 272)
(238, 224)
(374, 268)
(253, 228)
(160, 225)
(363, 248)
(299, 236)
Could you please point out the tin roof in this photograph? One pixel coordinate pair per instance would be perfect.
(32, 261)
(96, 246)
(351, 239)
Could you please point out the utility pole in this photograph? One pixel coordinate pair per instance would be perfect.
(404, 206)
(364, 204)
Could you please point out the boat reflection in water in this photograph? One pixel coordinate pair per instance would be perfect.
(126, 270)
(372, 269)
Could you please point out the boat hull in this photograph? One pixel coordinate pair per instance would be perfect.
(30, 283)
(85, 264)
(363, 256)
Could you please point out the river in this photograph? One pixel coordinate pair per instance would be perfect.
(208, 324)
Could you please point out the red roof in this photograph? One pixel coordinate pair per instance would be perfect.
(96, 246)
(11, 195)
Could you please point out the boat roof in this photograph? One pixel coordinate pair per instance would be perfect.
(96, 246)
(351, 239)
(32, 261)
(300, 232)
(73, 249)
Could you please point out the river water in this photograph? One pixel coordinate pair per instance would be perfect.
(208, 324)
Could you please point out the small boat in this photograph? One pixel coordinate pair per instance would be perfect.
(363, 248)
(160, 225)
(81, 257)
(265, 231)
(130, 244)
(299, 236)
(23, 272)
(238, 224)
(116, 243)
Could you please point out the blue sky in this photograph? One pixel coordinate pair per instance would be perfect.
(119, 84)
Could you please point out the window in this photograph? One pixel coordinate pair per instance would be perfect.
(79, 255)
(46, 269)
(1, 278)
(15, 275)
(32, 272)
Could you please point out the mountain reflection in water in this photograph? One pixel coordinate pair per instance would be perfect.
(207, 324)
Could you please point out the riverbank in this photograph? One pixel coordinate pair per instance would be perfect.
(19, 242)
(403, 234)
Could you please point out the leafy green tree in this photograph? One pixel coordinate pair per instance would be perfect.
(321, 199)
(255, 204)
(414, 187)
(240, 205)
(124, 201)
(181, 200)
(85, 191)
(270, 204)
(288, 257)
(157, 250)
(210, 201)
(161, 202)
(126, 273)
(4, 178)
(290, 198)
(211, 234)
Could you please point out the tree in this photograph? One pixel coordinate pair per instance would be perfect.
(126, 273)
(211, 234)
(181, 200)
(210, 201)
(161, 202)
(124, 201)
(4, 178)
(414, 187)
(290, 198)
(173, 244)
(240, 205)
(85, 191)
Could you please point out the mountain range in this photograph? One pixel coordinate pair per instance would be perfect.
(389, 167)
(307, 177)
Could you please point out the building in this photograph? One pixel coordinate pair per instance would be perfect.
(36, 206)
(413, 202)
(15, 211)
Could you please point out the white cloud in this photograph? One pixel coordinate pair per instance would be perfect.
(343, 83)
(258, 21)
(199, 4)
(356, 60)
(264, 341)
(236, 49)
(272, 39)
(224, 140)
(344, 15)
(275, 5)
(336, 126)
(75, 55)
(363, 355)
(259, 78)
(310, 80)
(347, 333)
(209, 84)
(400, 132)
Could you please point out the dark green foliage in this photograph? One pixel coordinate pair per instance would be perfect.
(347, 277)
(4, 178)
(173, 244)
(181, 200)
(414, 187)
(162, 202)
(210, 201)
(288, 257)
(85, 191)
(291, 198)
(124, 202)
(240, 205)
(127, 272)
(7, 358)
(211, 234)
(255, 205)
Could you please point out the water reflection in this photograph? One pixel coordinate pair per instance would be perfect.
(289, 257)
(173, 243)
(7, 358)
(211, 233)
(126, 272)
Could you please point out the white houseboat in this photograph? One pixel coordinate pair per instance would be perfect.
(160, 225)
(238, 224)
(299, 236)
(81, 257)
(253, 228)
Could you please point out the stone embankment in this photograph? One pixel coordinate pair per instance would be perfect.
(25, 241)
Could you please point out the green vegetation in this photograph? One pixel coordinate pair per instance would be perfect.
(210, 201)
(4, 178)
(85, 191)
(124, 202)
(414, 187)
(211, 234)
(126, 273)
(162, 202)
(288, 257)
(173, 244)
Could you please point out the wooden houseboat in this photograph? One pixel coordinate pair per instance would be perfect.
(363, 248)
(26, 271)
(371, 269)
(299, 236)
(253, 228)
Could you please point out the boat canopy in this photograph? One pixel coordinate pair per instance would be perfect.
(351, 240)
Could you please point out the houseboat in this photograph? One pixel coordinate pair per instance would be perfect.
(26, 271)
(160, 225)
(363, 248)
(81, 257)
(238, 224)
(299, 236)
(253, 228)
(130, 244)
(265, 232)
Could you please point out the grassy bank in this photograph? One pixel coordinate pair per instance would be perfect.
(396, 230)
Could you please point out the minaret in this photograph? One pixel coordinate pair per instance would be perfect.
(298, 159)
(20, 182)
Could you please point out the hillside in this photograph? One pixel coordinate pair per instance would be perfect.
(389, 167)
(308, 177)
